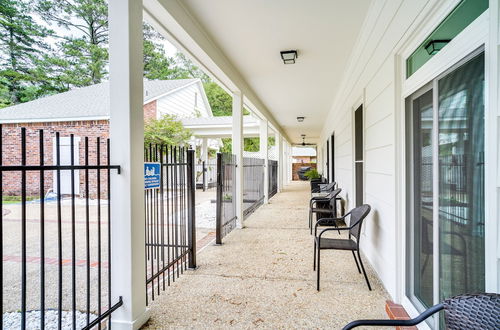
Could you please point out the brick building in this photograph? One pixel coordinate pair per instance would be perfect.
(83, 112)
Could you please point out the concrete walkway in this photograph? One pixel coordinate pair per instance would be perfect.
(262, 277)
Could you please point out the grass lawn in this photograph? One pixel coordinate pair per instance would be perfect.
(16, 199)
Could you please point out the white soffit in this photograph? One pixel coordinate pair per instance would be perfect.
(251, 35)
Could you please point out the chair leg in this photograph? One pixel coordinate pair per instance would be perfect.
(335, 224)
(364, 272)
(310, 221)
(318, 269)
(356, 260)
(314, 262)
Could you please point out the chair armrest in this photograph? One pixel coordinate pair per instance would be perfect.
(326, 220)
(328, 229)
(396, 323)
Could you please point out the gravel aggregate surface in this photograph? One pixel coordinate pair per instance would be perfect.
(262, 277)
(12, 320)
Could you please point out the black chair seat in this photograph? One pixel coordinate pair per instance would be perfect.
(336, 244)
(321, 210)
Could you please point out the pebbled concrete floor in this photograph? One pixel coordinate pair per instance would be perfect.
(262, 277)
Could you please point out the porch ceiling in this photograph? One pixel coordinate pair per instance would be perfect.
(252, 33)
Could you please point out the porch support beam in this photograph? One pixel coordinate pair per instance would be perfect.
(237, 149)
(127, 149)
(279, 144)
(204, 158)
(264, 153)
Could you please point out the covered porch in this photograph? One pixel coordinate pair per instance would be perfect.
(262, 276)
(350, 90)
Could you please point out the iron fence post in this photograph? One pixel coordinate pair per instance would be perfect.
(204, 175)
(191, 186)
(218, 205)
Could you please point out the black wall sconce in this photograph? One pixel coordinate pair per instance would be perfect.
(289, 56)
(300, 119)
(434, 46)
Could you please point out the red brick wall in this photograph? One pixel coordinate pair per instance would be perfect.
(11, 155)
(150, 111)
(297, 166)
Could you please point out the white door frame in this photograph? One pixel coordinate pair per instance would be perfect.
(65, 145)
(465, 43)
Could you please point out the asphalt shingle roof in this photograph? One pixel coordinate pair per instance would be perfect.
(81, 103)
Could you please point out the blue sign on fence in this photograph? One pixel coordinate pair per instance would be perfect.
(152, 175)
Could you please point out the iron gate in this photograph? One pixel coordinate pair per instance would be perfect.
(170, 218)
(253, 184)
(206, 175)
(226, 204)
(273, 177)
(63, 244)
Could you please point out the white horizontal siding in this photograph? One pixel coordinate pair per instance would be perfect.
(181, 103)
(371, 78)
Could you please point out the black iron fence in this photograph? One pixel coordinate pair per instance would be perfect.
(170, 218)
(253, 184)
(55, 247)
(206, 175)
(226, 204)
(273, 177)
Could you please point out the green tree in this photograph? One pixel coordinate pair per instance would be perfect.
(82, 56)
(157, 65)
(21, 41)
(167, 130)
(187, 69)
(220, 101)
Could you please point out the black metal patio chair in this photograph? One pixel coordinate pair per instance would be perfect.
(468, 311)
(324, 187)
(316, 182)
(357, 216)
(325, 206)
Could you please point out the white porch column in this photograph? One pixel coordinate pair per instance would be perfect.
(237, 146)
(127, 145)
(264, 152)
(287, 162)
(204, 157)
(204, 150)
(279, 144)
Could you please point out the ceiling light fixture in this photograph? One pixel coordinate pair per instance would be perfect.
(434, 46)
(289, 56)
(300, 119)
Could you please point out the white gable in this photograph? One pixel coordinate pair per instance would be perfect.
(187, 102)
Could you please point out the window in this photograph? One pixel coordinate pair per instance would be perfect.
(463, 14)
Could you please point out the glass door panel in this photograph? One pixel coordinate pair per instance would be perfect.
(461, 179)
(445, 192)
(422, 113)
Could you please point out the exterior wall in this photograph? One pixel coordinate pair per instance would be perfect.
(150, 110)
(304, 159)
(297, 166)
(375, 79)
(186, 102)
(11, 155)
(371, 81)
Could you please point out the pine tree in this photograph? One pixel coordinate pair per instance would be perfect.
(21, 42)
(82, 57)
(157, 65)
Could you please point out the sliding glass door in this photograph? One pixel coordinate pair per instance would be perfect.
(445, 190)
